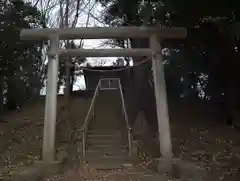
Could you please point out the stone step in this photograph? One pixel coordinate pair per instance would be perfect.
(108, 99)
(106, 166)
(111, 92)
(126, 172)
(113, 105)
(114, 135)
(121, 174)
(110, 126)
(135, 176)
(107, 146)
(108, 119)
(104, 156)
(108, 161)
(107, 151)
(108, 93)
(104, 127)
(116, 138)
(107, 122)
(104, 132)
(103, 114)
(109, 142)
(107, 113)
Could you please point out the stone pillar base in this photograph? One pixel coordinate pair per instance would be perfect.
(181, 169)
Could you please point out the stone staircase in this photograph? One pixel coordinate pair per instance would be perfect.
(106, 146)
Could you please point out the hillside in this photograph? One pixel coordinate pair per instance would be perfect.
(21, 136)
(196, 137)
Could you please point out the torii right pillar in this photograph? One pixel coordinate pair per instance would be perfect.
(166, 162)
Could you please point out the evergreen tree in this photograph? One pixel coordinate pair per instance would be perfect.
(20, 61)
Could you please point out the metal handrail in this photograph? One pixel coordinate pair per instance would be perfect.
(91, 112)
(126, 119)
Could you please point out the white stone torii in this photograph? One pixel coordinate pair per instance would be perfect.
(56, 34)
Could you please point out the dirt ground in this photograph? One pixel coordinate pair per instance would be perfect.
(21, 136)
(214, 147)
(198, 137)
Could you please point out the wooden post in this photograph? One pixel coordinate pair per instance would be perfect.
(48, 151)
(161, 106)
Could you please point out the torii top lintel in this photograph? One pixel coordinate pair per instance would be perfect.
(103, 33)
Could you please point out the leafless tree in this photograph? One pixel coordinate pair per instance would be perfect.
(64, 13)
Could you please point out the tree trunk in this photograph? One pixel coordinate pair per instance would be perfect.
(72, 79)
(68, 72)
(227, 68)
(11, 98)
(143, 93)
(60, 76)
(1, 96)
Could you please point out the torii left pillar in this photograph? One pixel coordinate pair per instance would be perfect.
(48, 150)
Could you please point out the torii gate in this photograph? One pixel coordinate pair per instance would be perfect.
(153, 33)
